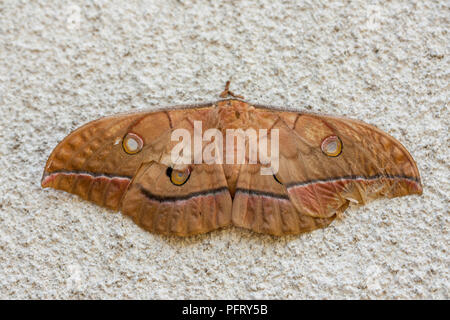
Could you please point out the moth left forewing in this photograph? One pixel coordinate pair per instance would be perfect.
(98, 160)
(90, 161)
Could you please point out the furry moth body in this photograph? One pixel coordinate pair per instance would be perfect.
(325, 164)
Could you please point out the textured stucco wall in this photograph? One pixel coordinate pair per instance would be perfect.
(65, 63)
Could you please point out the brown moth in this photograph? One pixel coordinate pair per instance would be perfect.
(325, 163)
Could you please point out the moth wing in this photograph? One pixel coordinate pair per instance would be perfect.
(369, 164)
(91, 161)
(201, 204)
(262, 204)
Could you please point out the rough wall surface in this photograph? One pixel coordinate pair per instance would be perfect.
(65, 63)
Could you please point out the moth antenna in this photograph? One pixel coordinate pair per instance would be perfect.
(226, 92)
